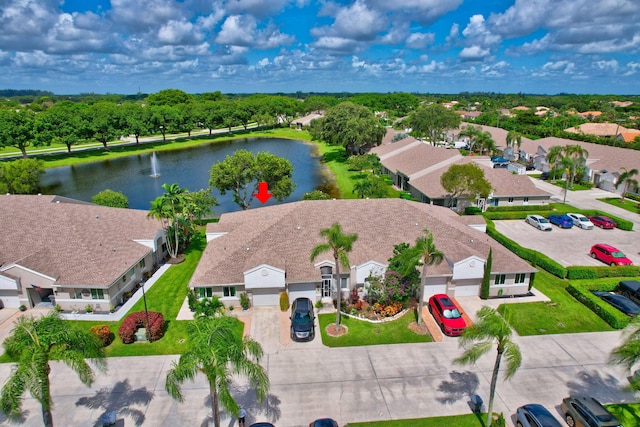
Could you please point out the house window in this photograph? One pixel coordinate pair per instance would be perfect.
(525, 200)
(344, 282)
(124, 278)
(141, 264)
(510, 199)
(500, 279)
(494, 202)
(97, 294)
(520, 277)
(205, 292)
(229, 291)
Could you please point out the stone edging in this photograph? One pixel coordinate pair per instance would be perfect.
(383, 320)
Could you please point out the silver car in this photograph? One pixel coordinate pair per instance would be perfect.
(534, 415)
(539, 222)
(581, 221)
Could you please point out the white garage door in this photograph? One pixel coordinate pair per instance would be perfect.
(431, 290)
(467, 290)
(267, 296)
(302, 290)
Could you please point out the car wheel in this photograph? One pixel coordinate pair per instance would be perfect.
(601, 226)
(519, 424)
(593, 255)
(613, 264)
(570, 421)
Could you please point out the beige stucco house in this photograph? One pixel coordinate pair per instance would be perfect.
(266, 251)
(55, 250)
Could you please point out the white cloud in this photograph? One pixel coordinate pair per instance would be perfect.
(179, 32)
(420, 40)
(473, 53)
(567, 67)
(611, 65)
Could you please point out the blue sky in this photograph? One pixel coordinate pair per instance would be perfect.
(426, 46)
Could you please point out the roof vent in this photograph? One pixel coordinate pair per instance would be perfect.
(298, 228)
(97, 216)
(113, 250)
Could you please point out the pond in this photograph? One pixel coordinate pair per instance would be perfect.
(189, 168)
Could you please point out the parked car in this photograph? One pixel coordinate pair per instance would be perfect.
(447, 315)
(324, 422)
(499, 159)
(544, 176)
(500, 165)
(302, 320)
(609, 255)
(630, 289)
(262, 425)
(620, 302)
(581, 221)
(562, 221)
(539, 222)
(584, 411)
(535, 415)
(603, 221)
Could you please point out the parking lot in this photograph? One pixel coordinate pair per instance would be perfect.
(570, 246)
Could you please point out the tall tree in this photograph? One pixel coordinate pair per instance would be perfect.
(104, 122)
(61, 123)
(17, 129)
(626, 180)
(241, 173)
(486, 278)
(627, 354)
(432, 121)
(578, 156)
(339, 244)
(490, 329)
(219, 351)
(21, 176)
(33, 344)
(554, 156)
(465, 180)
(424, 253)
(514, 138)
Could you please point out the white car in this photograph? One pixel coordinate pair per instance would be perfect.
(539, 222)
(581, 221)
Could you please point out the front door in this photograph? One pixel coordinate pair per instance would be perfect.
(326, 285)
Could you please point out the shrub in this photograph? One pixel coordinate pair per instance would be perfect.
(602, 272)
(244, 300)
(519, 208)
(472, 210)
(137, 320)
(607, 312)
(284, 301)
(192, 298)
(103, 333)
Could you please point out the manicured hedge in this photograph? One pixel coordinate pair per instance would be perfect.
(519, 208)
(137, 320)
(538, 259)
(600, 272)
(606, 311)
(472, 210)
(510, 215)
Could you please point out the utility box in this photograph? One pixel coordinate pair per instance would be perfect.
(476, 404)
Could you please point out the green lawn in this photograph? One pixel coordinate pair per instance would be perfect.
(564, 314)
(336, 160)
(576, 187)
(367, 333)
(470, 420)
(629, 205)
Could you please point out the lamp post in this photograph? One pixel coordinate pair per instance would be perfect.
(146, 312)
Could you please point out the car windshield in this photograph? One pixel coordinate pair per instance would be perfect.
(302, 317)
(542, 220)
(582, 219)
(451, 314)
(618, 254)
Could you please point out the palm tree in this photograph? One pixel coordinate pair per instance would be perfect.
(168, 208)
(424, 253)
(35, 342)
(490, 329)
(471, 132)
(626, 179)
(553, 157)
(218, 350)
(340, 244)
(514, 138)
(578, 155)
(627, 354)
(363, 187)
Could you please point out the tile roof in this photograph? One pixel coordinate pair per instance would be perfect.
(77, 243)
(283, 236)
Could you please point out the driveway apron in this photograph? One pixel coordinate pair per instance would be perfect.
(265, 328)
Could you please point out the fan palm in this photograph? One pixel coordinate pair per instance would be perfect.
(627, 354)
(490, 329)
(339, 244)
(33, 344)
(626, 180)
(218, 350)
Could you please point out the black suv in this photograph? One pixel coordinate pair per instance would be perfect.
(586, 411)
(302, 320)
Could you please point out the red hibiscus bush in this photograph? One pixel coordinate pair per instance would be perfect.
(137, 320)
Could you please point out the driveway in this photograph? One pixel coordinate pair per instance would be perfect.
(570, 246)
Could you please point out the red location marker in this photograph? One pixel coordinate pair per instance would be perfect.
(263, 192)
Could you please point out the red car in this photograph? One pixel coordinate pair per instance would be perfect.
(603, 221)
(609, 255)
(447, 315)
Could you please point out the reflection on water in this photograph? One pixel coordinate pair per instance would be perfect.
(189, 168)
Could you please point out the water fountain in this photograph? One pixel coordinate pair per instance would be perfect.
(154, 166)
